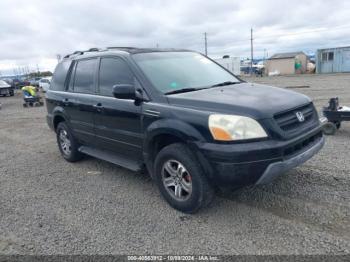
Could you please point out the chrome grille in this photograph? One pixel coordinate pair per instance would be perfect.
(288, 120)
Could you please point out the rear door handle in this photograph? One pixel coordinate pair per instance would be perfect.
(98, 107)
(65, 102)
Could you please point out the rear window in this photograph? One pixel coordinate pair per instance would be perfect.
(59, 76)
(84, 81)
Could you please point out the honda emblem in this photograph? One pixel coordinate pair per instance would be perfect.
(300, 116)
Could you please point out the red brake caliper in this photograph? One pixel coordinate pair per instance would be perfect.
(188, 178)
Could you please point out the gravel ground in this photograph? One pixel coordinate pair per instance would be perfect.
(49, 206)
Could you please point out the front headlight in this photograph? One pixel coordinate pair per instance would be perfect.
(232, 128)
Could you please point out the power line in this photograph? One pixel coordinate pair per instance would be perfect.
(307, 32)
(284, 35)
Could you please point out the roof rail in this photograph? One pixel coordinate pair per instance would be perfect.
(121, 47)
(94, 49)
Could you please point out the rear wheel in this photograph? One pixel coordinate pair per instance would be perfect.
(181, 179)
(67, 143)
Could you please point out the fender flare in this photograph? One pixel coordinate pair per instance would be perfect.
(177, 128)
(59, 112)
(171, 127)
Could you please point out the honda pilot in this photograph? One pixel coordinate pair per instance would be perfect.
(190, 123)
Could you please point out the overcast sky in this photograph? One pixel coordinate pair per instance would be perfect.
(33, 32)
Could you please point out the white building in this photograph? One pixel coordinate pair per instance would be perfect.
(231, 63)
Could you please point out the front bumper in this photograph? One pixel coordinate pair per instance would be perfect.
(4, 91)
(260, 162)
(277, 168)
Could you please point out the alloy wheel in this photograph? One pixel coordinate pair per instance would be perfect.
(65, 142)
(177, 180)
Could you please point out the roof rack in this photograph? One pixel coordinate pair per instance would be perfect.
(94, 49)
(121, 47)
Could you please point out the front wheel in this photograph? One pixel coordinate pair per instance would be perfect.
(67, 144)
(181, 180)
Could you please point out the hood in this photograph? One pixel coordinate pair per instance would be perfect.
(3, 84)
(247, 99)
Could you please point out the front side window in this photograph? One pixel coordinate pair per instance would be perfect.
(85, 76)
(113, 71)
(171, 71)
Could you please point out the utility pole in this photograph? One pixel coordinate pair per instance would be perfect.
(251, 51)
(205, 44)
(264, 55)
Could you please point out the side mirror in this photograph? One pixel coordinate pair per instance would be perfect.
(124, 91)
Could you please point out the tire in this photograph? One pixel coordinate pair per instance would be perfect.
(329, 128)
(194, 191)
(67, 144)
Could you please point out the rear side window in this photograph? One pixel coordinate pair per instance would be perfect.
(84, 81)
(59, 76)
(113, 71)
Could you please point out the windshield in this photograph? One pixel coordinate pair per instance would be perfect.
(171, 71)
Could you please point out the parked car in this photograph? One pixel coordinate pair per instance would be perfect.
(35, 81)
(18, 83)
(44, 84)
(9, 81)
(6, 89)
(192, 124)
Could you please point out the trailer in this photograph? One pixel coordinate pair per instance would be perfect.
(335, 115)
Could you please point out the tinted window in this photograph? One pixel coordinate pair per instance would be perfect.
(71, 78)
(113, 71)
(84, 76)
(59, 76)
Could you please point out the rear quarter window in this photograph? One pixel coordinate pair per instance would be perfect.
(59, 76)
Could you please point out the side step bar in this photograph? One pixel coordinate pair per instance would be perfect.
(111, 157)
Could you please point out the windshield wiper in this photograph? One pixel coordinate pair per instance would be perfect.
(226, 83)
(182, 90)
(190, 89)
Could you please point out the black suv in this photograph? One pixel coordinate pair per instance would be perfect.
(193, 125)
